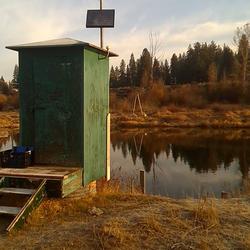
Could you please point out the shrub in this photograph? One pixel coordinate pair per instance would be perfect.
(3, 101)
(113, 100)
(186, 95)
(13, 100)
(156, 95)
(225, 92)
(119, 104)
(246, 94)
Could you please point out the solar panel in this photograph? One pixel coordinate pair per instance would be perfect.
(100, 19)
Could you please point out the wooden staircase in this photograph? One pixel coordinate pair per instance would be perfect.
(18, 198)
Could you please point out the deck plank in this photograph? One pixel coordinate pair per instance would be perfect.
(9, 210)
(42, 172)
(23, 191)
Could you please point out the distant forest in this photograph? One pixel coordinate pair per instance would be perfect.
(9, 98)
(201, 63)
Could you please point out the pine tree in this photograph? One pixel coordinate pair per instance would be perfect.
(174, 68)
(117, 75)
(133, 70)
(156, 71)
(113, 79)
(15, 74)
(145, 68)
(4, 87)
(166, 73)
(128, 76)
(122, 73)
(226, 64)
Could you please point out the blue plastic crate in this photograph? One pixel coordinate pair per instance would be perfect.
(18, 157)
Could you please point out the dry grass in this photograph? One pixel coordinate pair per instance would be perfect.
(215, 116)
(9, 102)
(206, 215)
(135, 222)
(9, 120)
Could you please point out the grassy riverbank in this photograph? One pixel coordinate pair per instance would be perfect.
(9, 120)
(135, 222)
(216, 116)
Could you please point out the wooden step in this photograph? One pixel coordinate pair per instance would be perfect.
(23, 191)
(9, 210)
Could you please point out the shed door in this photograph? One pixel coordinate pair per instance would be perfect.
(51, 112)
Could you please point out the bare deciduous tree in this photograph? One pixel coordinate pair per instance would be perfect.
(241, 40)
(155, 46)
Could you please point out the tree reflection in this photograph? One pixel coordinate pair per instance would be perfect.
(6, 142)
(204, 152)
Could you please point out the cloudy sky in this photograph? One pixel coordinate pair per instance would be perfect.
(178, 23)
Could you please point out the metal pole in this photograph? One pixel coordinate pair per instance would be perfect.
(101, 29)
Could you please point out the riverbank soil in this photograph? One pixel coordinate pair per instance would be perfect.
(135, 222)
(215, 116)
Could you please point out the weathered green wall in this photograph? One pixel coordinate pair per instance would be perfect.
(26, 93)
(51, 110)
(96, 108)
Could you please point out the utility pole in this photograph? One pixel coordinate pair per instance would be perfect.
(101, 29)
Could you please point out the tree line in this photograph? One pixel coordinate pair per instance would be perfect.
(5, 87)
(201, 63)
(8, 94)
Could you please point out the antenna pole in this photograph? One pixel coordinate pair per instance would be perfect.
(101, 29)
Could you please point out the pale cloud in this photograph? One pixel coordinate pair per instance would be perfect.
(207, 31)
(174, 41)
(19, 26)
(177, 23)
(30, 24)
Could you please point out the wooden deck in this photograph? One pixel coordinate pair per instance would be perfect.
(39, 172)
(61, 181)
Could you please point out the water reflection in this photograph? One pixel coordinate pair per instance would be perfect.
(9, 140)
(177, 162)
(184, 161)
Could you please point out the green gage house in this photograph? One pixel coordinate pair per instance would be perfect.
(64, 115)
(64, 104)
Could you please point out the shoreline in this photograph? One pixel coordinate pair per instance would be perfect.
(167, 118)
(184, 118)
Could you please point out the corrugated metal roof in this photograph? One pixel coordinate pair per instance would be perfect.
(63, 42)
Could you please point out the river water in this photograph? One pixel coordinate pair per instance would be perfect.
(178, 163)
(183, 163)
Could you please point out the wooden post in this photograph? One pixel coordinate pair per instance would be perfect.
(142, 181)
(224, 195)
(108, 149)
